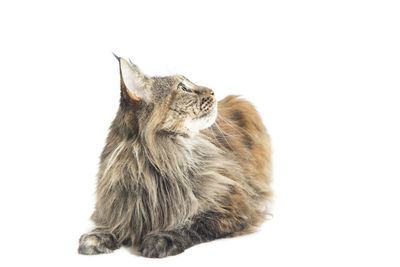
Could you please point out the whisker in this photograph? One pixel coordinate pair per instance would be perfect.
(223, 135)
(215, 136)
(235, 126)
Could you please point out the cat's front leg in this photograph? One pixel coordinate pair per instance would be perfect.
(203, 228)
(163, 244)
(97, 241)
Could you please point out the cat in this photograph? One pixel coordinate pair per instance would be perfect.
(178, 168)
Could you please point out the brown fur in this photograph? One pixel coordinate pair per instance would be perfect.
(168, 179)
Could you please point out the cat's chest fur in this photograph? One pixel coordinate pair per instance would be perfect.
(156, 189)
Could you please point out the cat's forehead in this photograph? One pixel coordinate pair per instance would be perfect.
(162, 86)
(169, 80)
(165, 83)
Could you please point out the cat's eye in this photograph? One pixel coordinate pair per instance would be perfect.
(181, 86)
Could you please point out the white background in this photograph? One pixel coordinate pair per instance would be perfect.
(323, 74)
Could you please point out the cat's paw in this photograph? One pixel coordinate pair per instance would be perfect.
(160, 246)
(97, 243)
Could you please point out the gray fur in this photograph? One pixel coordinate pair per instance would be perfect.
(163, 186)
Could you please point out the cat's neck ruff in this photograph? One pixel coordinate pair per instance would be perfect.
(179, 155)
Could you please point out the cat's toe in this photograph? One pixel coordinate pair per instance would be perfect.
(160, 246)
(96, 243)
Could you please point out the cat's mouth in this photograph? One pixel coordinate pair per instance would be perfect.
(204, 121)
(203, 116)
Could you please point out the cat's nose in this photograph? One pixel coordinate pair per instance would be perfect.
(204, 91)
(208, 91)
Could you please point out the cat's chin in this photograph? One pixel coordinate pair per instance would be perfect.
(198, 124)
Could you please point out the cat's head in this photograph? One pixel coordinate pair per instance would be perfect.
(170, 104)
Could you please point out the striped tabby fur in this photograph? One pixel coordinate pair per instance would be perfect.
(178, 168)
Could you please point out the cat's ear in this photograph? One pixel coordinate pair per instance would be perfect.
(133, 82)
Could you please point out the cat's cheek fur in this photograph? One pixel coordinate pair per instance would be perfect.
(196, 125)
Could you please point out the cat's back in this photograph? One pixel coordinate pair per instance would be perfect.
(239, 130)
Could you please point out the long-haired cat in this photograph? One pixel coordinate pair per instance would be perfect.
(178, 168)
